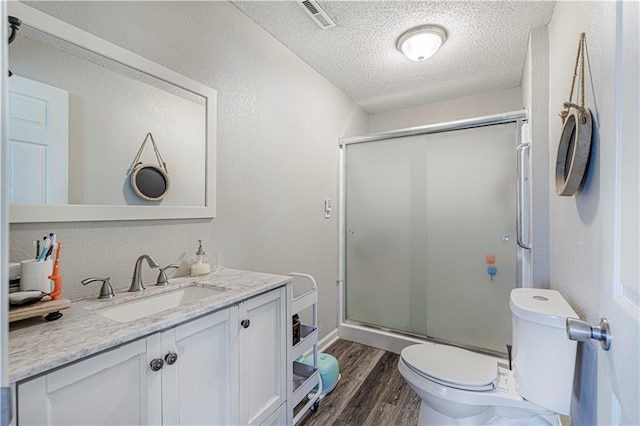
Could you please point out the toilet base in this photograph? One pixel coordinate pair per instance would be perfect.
(490, 416)
(442, 405)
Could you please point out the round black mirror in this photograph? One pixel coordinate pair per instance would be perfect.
(150, 182)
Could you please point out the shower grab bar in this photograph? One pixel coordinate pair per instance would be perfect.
(523, 170)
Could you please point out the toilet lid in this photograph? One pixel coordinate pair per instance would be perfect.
(451, 366)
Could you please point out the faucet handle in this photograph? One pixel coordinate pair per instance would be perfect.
(162, 276)
(106, 291)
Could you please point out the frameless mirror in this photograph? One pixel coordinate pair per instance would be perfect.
(79, 111)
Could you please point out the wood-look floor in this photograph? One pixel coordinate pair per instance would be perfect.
(371, 391)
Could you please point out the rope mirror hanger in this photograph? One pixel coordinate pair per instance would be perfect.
(575, 139)
(148, 181)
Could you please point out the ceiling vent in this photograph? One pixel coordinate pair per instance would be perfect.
(320, 17)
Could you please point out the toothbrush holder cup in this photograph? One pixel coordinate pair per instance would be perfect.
(34, 275)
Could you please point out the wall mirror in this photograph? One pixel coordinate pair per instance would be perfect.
(79, 110)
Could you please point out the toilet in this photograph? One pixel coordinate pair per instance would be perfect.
(460, 387)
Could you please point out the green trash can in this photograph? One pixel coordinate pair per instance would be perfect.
(329, 370)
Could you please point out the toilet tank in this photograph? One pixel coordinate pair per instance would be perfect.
(543, 356)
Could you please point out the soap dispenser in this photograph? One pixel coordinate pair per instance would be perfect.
(200, 263)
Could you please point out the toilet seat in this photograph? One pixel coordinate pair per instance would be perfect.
(504, 394)
(452, 367)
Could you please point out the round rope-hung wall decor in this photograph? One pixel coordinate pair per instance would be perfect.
(573, 151)
(150, 182)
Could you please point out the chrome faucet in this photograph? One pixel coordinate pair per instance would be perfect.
(136, 280)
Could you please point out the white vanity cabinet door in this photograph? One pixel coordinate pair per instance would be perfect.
(201, 386)
(279, 418)
(262, 350)
(109, 388)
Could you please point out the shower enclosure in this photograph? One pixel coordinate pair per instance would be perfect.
(432, 232)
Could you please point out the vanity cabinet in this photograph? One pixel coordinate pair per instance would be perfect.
(185, 375)
(263, 356)
(227, 367)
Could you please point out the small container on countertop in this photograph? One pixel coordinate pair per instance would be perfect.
(35, 275)
(200, 264)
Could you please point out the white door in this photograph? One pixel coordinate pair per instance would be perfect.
(38, 142)
(200, 382)
(618, 368)
(263, 356)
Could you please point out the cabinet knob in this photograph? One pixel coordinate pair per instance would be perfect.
(171, 358)
(156, 364)
(245, 323)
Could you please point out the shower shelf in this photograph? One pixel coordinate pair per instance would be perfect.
(303, 294)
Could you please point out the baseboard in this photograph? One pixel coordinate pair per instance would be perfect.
(381, 339)
(325, 342)
(328, 340)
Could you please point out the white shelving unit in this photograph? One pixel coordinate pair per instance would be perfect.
(303, 294)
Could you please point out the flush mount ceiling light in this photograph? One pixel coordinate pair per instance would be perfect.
(420, 43)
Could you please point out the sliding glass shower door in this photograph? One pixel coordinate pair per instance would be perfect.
(430, 240)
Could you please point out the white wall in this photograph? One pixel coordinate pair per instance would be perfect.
(278, 124)
(453, 109)
(574, 226)
(535, 75)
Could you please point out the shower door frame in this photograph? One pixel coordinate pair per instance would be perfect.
(394, 340)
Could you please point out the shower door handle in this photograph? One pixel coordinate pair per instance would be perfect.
(522, 173)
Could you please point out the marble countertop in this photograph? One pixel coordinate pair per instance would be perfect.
(36, 346)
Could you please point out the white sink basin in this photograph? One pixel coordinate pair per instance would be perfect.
(140, 308)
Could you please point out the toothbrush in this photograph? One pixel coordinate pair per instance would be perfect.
(53, 239)
(45, 248)
(52, 252)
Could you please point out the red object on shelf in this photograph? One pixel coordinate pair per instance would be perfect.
(56, 277)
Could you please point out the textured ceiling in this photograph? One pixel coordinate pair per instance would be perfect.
(485, 49)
